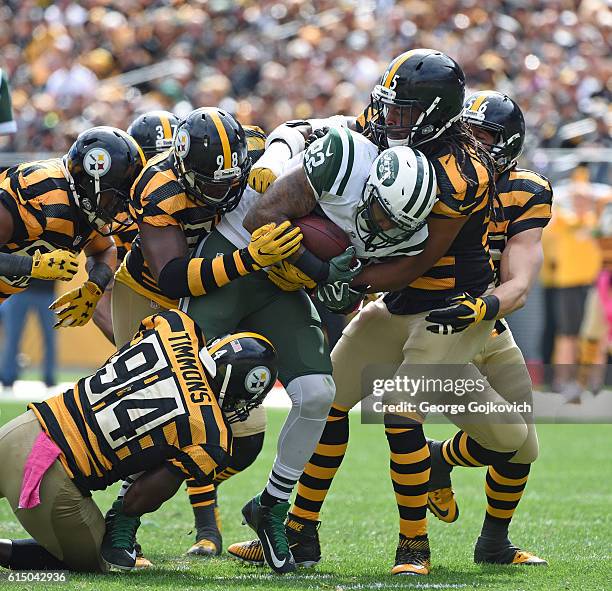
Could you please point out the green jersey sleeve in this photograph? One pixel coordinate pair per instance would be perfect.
(7, 123)
(329, 160)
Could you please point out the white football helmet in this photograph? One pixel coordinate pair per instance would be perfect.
(403, 184)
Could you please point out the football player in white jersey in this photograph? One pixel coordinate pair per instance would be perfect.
(331, 175)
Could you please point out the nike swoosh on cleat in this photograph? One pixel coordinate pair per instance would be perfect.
(131, 554)
(277, 563)
(442, 513)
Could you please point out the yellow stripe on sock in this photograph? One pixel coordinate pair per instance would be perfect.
(507, 481)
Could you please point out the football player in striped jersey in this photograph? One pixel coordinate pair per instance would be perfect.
(162, 406)
(179, 197)
(50, 210)
(418, 103)
(515, 234)
(153, 132)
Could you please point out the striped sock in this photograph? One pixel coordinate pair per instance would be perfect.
(203, 501)
(410, 468)
(504, 488)
(280, 485)
(462, 450)
(201, 496)
(324, 463)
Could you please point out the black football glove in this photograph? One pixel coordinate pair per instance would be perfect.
(316, 135)
(463, 311)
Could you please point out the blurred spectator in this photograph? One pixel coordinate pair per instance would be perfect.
(7, 121)
(271, 61)
(596, 329)
(37, 298)
(572, 263)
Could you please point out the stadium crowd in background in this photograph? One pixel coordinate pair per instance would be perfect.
(270, 61)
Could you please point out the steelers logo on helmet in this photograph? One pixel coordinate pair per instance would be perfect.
(97, 162)
(388, 168)
(182, 142)
(257, 380)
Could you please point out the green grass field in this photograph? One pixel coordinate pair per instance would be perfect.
(564, 517)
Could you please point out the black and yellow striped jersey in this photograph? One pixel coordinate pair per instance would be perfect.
(158, 199)
(463, 190)
(150, 404)
(45, 217)
(524, 202)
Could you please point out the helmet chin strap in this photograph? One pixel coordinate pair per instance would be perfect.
(226, 380)
(70, 180)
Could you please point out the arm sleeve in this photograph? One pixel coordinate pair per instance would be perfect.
(183, 277)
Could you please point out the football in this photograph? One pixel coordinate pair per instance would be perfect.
(322, 237)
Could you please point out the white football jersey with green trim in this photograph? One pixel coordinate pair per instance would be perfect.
(337, 167)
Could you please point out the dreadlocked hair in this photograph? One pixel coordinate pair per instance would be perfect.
(458, 140)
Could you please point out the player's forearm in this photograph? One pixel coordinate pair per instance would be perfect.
(101, 265)
(400, 273)
(289, 197)
(183, 277)
(519, 268)
(102, 316)
(394, 275)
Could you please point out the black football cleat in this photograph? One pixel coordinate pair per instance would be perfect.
(119, 542)
(412, 556)
(488, 553)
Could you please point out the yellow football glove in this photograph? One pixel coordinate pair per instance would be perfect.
(77, 306)
(288, 277)
(260, 179)
(271, 243)
(57, 264)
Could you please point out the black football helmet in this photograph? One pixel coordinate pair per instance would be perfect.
(502, 117)
(419, 96)
(211, 157)
(153, 131)
(102, 165)
(246, 370)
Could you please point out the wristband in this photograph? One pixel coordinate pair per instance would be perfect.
(492, 306)
(313, 266)
(14, 265)
(100, 274)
